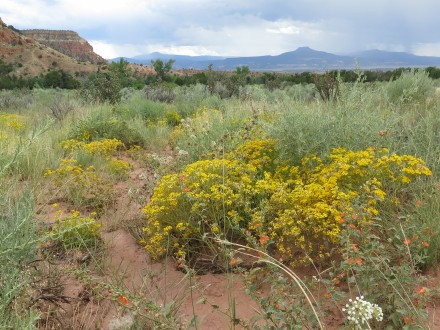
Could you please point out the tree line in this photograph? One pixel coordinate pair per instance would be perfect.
(118, 75)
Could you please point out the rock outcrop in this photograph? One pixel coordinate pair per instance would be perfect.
(31, 58)
(66, 42)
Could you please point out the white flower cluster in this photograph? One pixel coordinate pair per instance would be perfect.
(360, 311)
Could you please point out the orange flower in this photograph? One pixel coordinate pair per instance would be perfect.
(336, 280)
(359, 261)
(264, 239)
(425, 244)
(407, 241)
(234, 262)
(407, 320)
(419, 203)
(354, 247)
(421, 290)
(257, 225)
(185, 189)
(123, 300)
(327, 295)
(355, 216)
(383, 133)
(341, 219)
(350, 261)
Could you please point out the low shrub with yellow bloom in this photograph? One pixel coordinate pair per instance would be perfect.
(189, 204)
(118, 167)
(81, 187)
(298, 207)
(103, 147)
(75, 230)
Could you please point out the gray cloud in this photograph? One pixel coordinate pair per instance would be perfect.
(238, 27)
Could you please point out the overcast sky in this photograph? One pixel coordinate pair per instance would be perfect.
(236, 27)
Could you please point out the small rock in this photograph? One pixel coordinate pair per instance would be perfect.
(122, 323)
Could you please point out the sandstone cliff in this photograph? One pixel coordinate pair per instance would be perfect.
(66, 42)
(30, 57)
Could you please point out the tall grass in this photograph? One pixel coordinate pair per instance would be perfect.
(18, 240)
(17, 244)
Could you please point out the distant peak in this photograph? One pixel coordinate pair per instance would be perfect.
(306, 49)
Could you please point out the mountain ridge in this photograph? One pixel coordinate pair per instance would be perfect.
(301, 59)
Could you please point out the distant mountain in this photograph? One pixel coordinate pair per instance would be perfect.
(302, 59)
(182, 61)
(383, 59)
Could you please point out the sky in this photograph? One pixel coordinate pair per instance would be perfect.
(236, 27)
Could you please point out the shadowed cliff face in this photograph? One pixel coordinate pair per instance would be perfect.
(66, 42)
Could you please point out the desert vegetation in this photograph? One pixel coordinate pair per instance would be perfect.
(312, 205)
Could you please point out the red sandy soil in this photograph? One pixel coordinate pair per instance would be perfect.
(125, 260)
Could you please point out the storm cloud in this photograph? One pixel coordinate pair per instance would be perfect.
(236, 28)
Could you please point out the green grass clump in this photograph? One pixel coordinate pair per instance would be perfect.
(18, 242)
(75, 230)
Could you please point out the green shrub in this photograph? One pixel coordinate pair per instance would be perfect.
(412, 86)
(159, 93)
(102, 87)
(354, 122)
(97, 127)
(208, 131)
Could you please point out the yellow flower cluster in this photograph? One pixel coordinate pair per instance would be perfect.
(303, 213)
(69, 172)
(104, 147)
(258, 153)
(75, 230)
(80, 185)
(118, 167)
(354, 167)
(11, 123)
(187, 205)
(298, 207)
